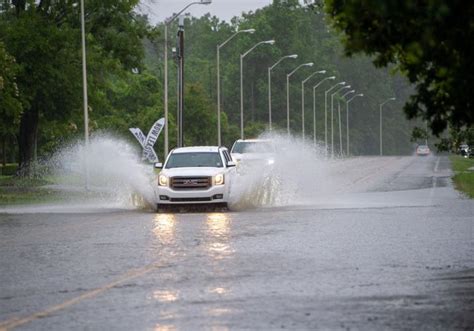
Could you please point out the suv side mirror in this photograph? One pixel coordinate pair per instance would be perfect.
(231, 164)
(158, 165)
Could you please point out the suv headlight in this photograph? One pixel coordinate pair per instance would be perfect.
(163, 180)
(219, 179)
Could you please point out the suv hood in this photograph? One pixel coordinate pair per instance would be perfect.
(252, 156)
(192, 172)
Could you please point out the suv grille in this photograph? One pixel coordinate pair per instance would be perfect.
(190, 199)
(190, 183)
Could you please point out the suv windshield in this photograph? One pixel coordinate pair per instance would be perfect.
(198, 159)
(253, 147)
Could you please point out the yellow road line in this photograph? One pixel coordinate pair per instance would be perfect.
(15, 322)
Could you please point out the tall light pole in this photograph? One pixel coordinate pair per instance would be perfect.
(326, 112)
(347, 118)
(332, 116)
(293, 56)
(380, 108)
(339, 114)
(168, 22)
(270, 42)
(302, 98)
(309, 64)
(85, 101)
(219, 140)
(180, 61)
(314, 104)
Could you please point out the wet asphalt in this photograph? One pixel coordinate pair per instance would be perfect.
(393, 251)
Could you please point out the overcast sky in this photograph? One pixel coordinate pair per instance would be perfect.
(157, 10)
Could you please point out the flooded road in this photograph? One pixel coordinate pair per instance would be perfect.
(389, 245)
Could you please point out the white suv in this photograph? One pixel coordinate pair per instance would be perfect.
(195, 175)
(253, 151)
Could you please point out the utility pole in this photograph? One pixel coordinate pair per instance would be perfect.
(180, 56)
(85, 101)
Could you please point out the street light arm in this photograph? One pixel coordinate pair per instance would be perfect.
(314, 73)
(167, 22)
(235, 34)
(349, 92)
(322, 81)
(389, 99)
(254, 46)
(342, 88)
(354, 96)
(284, 57)
(298, 67)
(334, 86)
(339, 90)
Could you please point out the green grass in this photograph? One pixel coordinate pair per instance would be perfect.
(14, 191)
(463, 177)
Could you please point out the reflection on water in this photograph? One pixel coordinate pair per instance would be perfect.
(218, 311)
(165, 228)
(160, 327)
(219, 328)
(165, 296)
(220, 290)
(218, 231)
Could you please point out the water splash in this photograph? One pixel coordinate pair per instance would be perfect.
(117, 177)
(297, 171)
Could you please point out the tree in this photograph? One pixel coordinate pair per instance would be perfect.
(44, 38)
(10, 104)
(427, 40)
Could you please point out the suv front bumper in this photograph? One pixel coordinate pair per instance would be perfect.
(214, 194)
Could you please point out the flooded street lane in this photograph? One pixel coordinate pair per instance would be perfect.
(390, 246)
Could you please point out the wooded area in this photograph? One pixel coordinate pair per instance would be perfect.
(41, 86)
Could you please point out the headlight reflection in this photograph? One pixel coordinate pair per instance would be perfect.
(218, 229)
(165, 228)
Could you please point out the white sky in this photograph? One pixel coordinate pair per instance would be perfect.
(158, 10)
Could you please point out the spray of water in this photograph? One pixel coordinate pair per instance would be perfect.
(296, 171)
(116, 176)
(293, 173)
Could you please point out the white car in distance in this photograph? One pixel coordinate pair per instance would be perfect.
(195, 175)
(253, 151)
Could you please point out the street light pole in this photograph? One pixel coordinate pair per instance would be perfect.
(347, 119)
(302, 99)
(180, 58)
(309, 64)
(332, 117)
(86, 104)
(293, 56)
(219, 139)
(380, 108)
(326, 112)
(270, 42)
(168, 22)
(314, 105)
(339, 114)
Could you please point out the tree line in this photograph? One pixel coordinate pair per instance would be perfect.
(41, 85)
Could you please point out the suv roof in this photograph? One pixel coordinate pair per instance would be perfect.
(197, 149)
(253, 140)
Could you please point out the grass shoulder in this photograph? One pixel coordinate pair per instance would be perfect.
(16, 190)
(463, 174)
